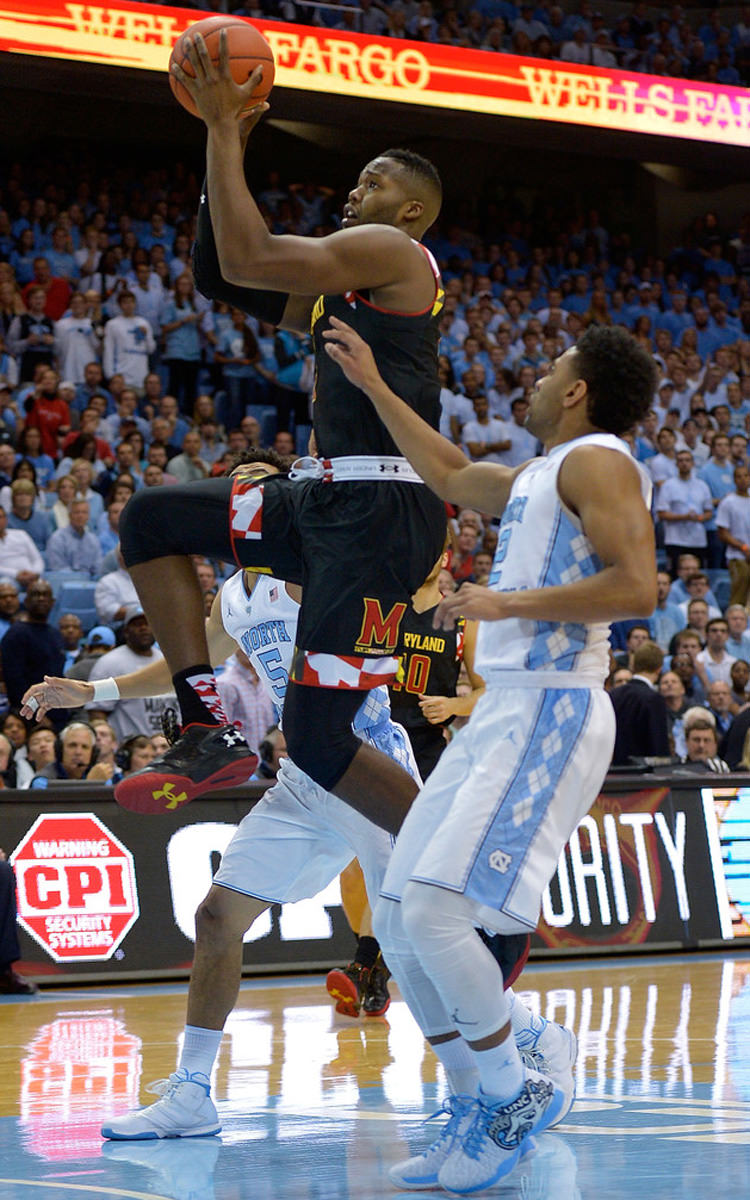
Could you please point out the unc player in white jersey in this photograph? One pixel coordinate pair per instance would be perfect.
(481, 841)
(289, 847)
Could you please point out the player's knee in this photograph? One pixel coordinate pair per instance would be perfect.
(418, 905)
(225, 916)
(142, 527)
(326, 758)
(387, 927)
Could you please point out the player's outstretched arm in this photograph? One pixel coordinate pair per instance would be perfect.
(602, 488)
(152, 680)
(445, 468)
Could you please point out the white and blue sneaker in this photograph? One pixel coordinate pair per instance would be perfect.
(185, 1110)
(551, 1050)
(421, 1171)
(494, 1141)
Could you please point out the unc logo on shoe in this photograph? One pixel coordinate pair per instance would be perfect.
(515, 1121)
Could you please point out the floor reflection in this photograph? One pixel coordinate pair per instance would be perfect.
(314, 1105)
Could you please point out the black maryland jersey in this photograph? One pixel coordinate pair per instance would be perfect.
(430, 661)
(405, 349)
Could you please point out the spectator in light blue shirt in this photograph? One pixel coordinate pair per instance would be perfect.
(74, 547)
(180, 328)
(666, 620)
(685, 507)
(738, 642)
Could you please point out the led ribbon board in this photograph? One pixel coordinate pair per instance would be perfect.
(348, 64)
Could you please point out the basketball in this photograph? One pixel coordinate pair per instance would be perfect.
(247, 49)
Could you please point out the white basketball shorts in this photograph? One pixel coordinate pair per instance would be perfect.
(299, 837)
(505, 797)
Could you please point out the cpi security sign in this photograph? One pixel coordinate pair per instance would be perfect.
(77, 893)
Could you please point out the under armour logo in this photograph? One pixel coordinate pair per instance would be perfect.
(390, 467)
(167, 793)
(203, 197)
(231, 738)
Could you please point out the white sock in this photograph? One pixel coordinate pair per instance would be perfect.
(200, 1048)
(459, 1065)
(500, 1072)
(526, 1027)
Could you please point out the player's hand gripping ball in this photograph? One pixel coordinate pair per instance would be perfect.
(246, 47)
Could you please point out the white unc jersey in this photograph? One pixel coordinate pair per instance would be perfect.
(264, 624)
(541, 544)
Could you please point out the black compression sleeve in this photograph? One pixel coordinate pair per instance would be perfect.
(266, 305)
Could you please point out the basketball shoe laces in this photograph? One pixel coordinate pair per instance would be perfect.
(167, 1087)
(455, 1108)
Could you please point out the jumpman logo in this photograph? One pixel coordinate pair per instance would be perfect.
(167, 793)
(457, 1020)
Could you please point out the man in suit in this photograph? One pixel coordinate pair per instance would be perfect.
(640, 711)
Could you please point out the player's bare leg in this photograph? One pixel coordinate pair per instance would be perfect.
(221, 922)
(186, 1108)
(378, 787)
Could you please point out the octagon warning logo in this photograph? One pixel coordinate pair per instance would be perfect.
(77, 893)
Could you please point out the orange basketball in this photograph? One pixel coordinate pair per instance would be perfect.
(247, 49)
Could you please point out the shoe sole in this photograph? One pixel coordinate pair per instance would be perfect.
(344, 992)
(162, 792)
(574, 1056)
(109, 1133)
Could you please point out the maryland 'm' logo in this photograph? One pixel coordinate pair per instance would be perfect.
(378, 631)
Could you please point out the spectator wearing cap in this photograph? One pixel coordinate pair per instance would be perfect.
(25, 517)
(113, 594)
(74, 547)
(685, 507)
(130, 717)
(19, 558)
(98, 641)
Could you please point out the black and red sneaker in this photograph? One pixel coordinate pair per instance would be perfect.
(204, 758)
(376, 999)
(347, 987)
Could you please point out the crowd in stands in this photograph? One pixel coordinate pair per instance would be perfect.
(672, 41)
(115, 374)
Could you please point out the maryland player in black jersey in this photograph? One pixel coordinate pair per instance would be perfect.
(423, 695)
(360, 532)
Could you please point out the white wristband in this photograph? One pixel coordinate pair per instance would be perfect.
(104, 689)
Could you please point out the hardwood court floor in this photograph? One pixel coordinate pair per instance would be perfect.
(315, 1106)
